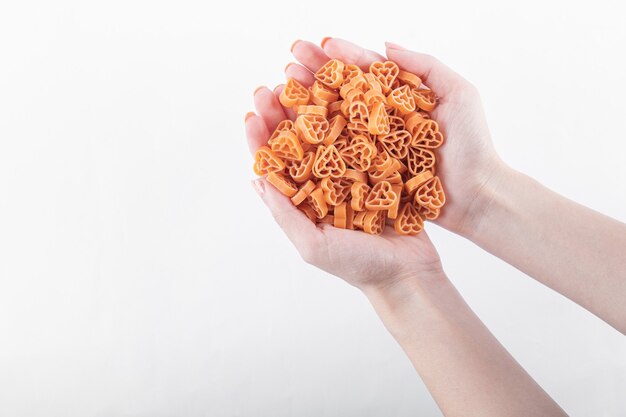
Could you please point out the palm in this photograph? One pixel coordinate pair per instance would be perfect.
(363, 259)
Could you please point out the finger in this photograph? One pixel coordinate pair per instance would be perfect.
(288, 112)
(268, 107)
(433, 72)
(256, 132)
(309, 55)
(300, 74)
(296, 225)
(350, 53)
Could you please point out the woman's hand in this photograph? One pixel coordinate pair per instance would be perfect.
(467, 161)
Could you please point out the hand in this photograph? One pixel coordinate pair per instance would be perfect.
(467, 160)
(365, 261)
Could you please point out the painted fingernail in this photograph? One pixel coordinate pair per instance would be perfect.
(323, 42)
(293, 45)
(288, 65)
(258, 187)
(248, 115)
(394, 46)
(257, 90)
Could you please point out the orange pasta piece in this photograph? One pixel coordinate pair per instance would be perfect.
(287, 146)
(354, 175)
(317, 202)
(381, 197)
(426, 134)
(331, 73)
(335, 190)
(401, 99)
(266, 161)
(374, 222)
(343, 216)
(409, 79)
(396, 143)
(428, 213)
(425, 99)
(358, 116)
(335, 107)
(312, 128)
(359, 155)
(378, 120)
(313, 110)
(358, 219)
(285, 185)
(420, 160)
(319, 90)
(283, 127)
(359, 192)
(350, 71)
(386, 73)
(303, 192)
(408, 222)
(301, 171)
(392, 212)
(414, 183)
(294, 94)
(336, 126)
(328, 162)
(373, 84)
(430, 194)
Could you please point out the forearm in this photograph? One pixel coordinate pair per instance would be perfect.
(465, 368)
(574, 250)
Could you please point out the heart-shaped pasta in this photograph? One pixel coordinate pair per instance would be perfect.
(359, 150)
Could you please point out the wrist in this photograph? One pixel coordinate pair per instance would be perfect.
(420, 297)
(489, 194)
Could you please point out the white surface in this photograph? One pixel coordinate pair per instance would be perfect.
(141, 276)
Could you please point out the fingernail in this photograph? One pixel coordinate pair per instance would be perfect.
(248, 115)
(289, 64)
(293, 45)
(257, 89)
(394, 46)
(258, 187)
(323, 42)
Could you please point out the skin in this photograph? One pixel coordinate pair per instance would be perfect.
(569, 248)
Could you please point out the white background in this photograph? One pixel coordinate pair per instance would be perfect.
(140, 275)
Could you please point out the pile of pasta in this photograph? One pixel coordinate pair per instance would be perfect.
(360, 152)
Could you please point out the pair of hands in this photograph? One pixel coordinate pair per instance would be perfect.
(466, 162)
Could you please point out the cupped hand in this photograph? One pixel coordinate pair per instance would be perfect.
(363, 260)
(467, 160)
